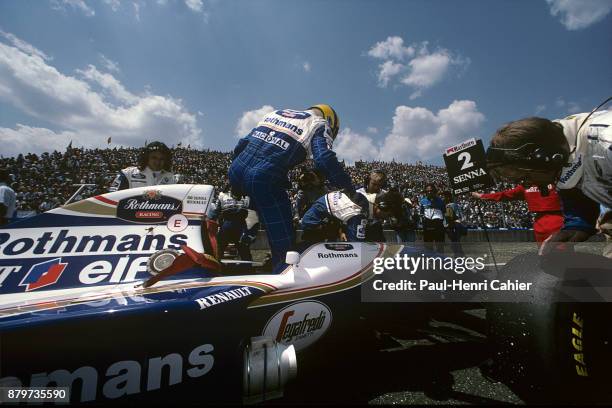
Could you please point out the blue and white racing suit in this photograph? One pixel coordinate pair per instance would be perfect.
(132, 177)
(337, 205)
(262, 160)
(585, 184)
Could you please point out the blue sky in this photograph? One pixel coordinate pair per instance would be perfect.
(408, 78)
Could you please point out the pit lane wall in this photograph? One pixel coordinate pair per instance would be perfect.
(495, 235)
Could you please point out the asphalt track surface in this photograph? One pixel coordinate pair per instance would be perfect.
(437, 363)
(434, 361)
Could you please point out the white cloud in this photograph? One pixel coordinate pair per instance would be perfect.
(85, 6)
(578, 14)
(114, 4)
(306, 66)
(372, 130)
(23, 45)
(540, 109)
(249, 120)
(567, 106)
(415, 65)
(72, 105)
(136, 10)
(426, 70)
(109, 64)
(351, 146)
(391, 48)
(386, 71)
(79, 5)
(109, 84)
(419, 134)
(195, 5)
(27, 139)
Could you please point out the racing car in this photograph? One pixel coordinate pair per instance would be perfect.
(84, 303)
(118, 297)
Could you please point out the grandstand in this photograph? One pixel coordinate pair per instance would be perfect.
(45, 181)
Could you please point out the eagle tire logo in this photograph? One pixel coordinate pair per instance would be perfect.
(300, 324)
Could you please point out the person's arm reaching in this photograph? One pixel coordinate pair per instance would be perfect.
(516, 193)
(326, 161)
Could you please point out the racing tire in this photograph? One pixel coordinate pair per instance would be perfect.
(550, 350)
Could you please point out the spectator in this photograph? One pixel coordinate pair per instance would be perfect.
(45, 181)
(432, 213)
(454, 227)
(7, 198)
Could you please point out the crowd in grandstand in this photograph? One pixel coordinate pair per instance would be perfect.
(46, 181)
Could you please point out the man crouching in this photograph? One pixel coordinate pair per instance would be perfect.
(336, 216)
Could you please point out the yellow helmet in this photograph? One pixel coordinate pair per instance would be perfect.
(330, 115)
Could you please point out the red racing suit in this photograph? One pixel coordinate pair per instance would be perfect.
(547, 209)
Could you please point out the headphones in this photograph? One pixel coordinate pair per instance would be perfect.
(530, 155)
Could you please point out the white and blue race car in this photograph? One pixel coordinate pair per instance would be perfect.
(82, 303)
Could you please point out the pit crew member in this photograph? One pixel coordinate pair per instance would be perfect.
(154, 168)
(548, 218)
(575, 152)
(336, 210)
(262, 160)
(231, 210)
(311, 184)
(374, 184)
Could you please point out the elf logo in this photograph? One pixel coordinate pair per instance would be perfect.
(43, 274)
(300, 324)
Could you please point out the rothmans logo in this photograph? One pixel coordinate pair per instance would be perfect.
(286, 125)
(134, 204)
(571, 171)
(335, 255)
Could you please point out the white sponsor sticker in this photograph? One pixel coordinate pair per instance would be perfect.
(177, 223)
(300, 324)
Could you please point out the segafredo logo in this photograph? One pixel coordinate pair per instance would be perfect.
(300, 324)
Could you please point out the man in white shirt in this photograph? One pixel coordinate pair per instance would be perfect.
(373, 187)
(8, 199)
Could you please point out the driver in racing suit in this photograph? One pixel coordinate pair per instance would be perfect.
(576, 152)
(262, 160)
(153, 169)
